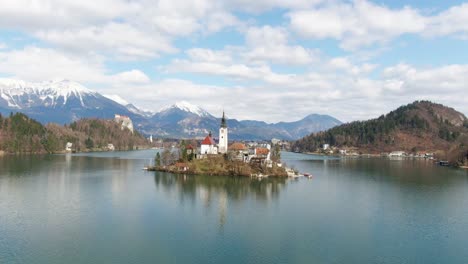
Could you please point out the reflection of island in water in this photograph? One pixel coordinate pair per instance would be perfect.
(220, 190)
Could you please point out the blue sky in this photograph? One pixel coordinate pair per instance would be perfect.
(273, 60)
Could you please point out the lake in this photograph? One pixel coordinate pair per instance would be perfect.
(103, 208)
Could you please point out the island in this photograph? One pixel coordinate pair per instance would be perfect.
(253, 159)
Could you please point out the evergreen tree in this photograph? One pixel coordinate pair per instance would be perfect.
(183, 151)
(157, 160)
(89, 143)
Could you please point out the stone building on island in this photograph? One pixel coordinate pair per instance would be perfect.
(236, 151)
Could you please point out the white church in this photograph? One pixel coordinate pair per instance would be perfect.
(208, 145)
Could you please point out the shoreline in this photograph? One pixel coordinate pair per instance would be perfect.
(168, 170)
(380, 156)
(219, 166)
(4, 154)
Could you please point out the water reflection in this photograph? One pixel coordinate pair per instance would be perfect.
(219, 191)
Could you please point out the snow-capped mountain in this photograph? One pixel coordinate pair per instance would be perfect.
(64, 101)
(186, 107)
(184, 120)
(181, 120)
(132, 108)
(59, 101)
(21, 94)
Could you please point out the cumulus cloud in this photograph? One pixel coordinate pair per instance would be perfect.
(208, 55)
(449, 78)
(363, 23)
(271, 44)
(266, 5)
(276, 65)
(360, 23)
(52, 14)
(39, 64)
(132, 76)
(115, 39)
(240, 72)
(450, 22)
(344, 64)
(115, 28)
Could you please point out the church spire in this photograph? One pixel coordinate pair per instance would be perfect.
(223, 121)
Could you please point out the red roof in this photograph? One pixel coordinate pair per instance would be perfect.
(262, 151)
(189, 147)
(208, 141)
(237, 146)
(181, 165)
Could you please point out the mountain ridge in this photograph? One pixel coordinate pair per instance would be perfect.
(416, 127)
(63, 101)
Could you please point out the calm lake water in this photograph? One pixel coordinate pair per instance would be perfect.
(102, 208)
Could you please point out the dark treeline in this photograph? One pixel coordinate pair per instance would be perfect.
(21, 134)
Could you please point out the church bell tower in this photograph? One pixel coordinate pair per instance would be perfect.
(223, 136)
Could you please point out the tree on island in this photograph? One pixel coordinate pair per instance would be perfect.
(183, 151)
(157, 160)
(276, 153)
(168, 157)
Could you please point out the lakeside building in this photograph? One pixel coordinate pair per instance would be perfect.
(397, 154)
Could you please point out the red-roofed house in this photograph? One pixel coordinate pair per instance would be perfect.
(208, 146)
(262, 153)
(189, 149)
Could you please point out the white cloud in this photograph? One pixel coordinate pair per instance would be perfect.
(361, 23)
(219, 20)
(121, 40)
(451, 79)
(240, 72)
(115, 28)
(78, 40)
(450, 22)
(132, 76)
(259, 6)
(3, 46)
(208, 55)
(344, 64)
(46, 14)
(271, 44)
(39, 64)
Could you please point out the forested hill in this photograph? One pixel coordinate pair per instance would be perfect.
(21, 134)
(420, 126)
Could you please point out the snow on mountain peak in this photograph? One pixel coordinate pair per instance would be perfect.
(188, 107)
(117, 99)
(12, 91)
